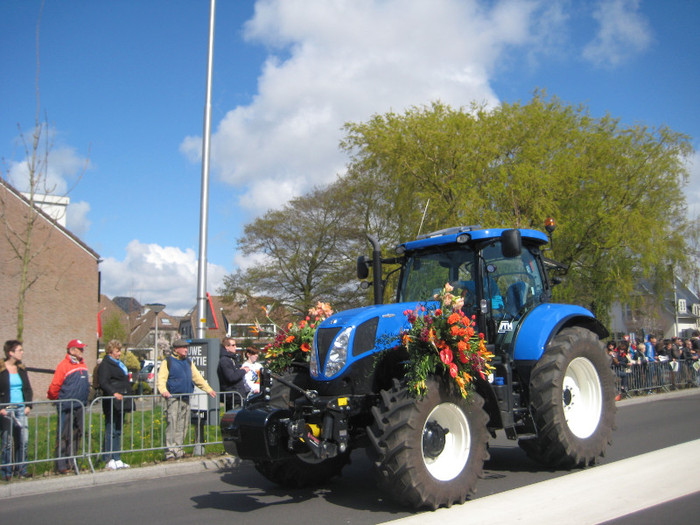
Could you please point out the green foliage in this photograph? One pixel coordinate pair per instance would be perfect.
(112, 328)
(131, 361)
(615, 191)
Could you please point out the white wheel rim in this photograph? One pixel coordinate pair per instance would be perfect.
(582, 397)
(454, 455)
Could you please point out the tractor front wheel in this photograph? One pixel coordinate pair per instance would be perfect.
(428, 452)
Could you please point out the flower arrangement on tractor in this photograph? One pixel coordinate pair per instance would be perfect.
(441, 339)
(293, 344)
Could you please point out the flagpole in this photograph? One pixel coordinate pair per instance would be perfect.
(204, 204)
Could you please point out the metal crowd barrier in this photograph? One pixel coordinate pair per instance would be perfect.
(662, 376)
(143, 429)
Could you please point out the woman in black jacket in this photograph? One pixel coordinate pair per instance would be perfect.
(15, 399)
(113, 378)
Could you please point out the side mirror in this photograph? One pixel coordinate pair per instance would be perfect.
(511, 243)
(363, 267)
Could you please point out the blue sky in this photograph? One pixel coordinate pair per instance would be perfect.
(122, 85)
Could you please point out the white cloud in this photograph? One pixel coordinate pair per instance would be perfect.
(158, 274)
(623, 32)
(334, 62)
(76, 218)
(53, 171)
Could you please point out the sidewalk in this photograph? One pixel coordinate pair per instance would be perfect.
(191, 465)
(72, 481)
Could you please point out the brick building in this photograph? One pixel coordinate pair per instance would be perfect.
(62, 302)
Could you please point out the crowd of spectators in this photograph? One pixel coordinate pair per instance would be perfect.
(650, 362)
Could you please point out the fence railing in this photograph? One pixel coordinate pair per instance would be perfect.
(637, 378)
(73, 435)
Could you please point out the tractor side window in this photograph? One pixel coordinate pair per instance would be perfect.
(513, 283)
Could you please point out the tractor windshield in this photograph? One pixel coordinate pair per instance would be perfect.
(426, 273)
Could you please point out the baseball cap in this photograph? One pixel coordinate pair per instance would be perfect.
(76, 343)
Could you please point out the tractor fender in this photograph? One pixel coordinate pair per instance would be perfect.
(547, 320)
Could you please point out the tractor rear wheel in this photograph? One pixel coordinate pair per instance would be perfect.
(428, 452)
(572, 400)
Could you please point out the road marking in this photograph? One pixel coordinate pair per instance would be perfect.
(588, 496)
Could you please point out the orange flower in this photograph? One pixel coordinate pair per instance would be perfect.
(455, 330)
(305, 347)
(302, 323)
(453, 318)
(289, 339)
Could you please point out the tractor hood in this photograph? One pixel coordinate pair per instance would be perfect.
(351, 335)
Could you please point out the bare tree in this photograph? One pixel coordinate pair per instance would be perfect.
(19, 232)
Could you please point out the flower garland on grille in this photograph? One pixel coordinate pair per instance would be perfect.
(443, 340)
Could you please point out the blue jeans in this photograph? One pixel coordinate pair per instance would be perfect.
(15, 441)
(113, 436)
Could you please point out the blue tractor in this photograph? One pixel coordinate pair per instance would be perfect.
(552, 388)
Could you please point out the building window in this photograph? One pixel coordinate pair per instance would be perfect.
(696, 310)
(681, 306)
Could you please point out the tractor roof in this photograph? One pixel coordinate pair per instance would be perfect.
(466, 234)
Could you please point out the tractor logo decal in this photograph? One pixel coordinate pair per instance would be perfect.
(505, 326)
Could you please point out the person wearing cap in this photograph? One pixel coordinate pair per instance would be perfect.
(177, 378)
(70, 386)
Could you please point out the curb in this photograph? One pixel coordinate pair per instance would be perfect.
(73, 481)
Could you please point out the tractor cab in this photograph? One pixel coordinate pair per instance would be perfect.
(500, 275)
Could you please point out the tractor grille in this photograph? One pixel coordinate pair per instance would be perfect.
(324, 339)
(365, 337)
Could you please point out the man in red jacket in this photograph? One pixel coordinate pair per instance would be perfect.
(70, 386)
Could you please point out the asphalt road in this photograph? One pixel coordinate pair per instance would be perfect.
(239, 495)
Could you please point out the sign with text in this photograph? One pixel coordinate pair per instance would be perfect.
(204, 353)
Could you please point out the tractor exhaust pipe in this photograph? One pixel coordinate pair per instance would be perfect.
(376, 270)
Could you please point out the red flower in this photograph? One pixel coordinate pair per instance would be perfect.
(305, 347)
(446, 356)
(453, 370)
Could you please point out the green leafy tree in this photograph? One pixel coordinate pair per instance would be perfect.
(616, 191)
(113, 328)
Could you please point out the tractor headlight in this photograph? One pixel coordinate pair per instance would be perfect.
(338, 354)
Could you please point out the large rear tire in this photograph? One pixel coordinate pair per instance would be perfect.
(572, 400)
(428, 452)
